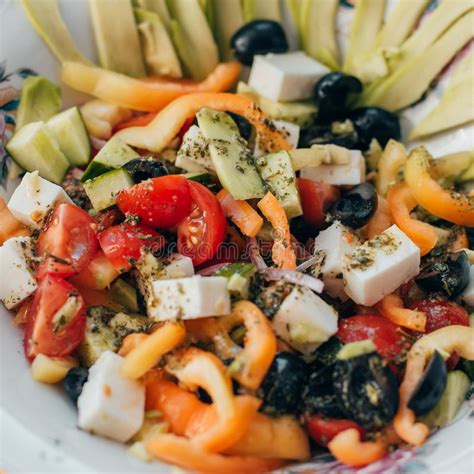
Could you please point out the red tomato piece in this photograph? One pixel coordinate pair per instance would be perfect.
(98, 275)
(56, 320)
(159, 202)
(387, 336)
(108, 218)
(203, 231)
(316, 198)
(68, 242)
(323, 429)
(186, 126)
(122, 244)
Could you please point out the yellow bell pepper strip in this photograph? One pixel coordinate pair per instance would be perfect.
(198, 368)
(189, 455)
(242, 214)
(150, 350)
(166, 125)
(9, 225)
(380, 221)
(446, 340)
(393, 158)
(401, 203)
(131, 342)
(347, 448)
(147, 95)
(282, 252)
(447, 204)
(391, 307)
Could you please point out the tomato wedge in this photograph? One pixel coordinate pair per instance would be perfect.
(122, 244)
(159, 202)
(68, 243)
(323, 429)
(56, 320)
(203, 231)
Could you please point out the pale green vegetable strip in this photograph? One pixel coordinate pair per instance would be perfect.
(159, 7)
(261, 10)
(294, 7)
(228, 18)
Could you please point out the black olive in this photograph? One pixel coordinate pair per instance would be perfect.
(430, 387)
(301, 229)
(258, 37)
(141, 169)
(355, 208)
(331, 94)
(283, 385)
(321, 135)
(470, 236)
(373, 122)
(326, 353)
(448, 274)
(367, 390)
(74, 381)
(244, 125)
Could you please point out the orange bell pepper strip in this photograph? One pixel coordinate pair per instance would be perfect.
(447, 204)
(282, 251)
(143, 95)
(150, 350)
(446, 340)
(189, 455)
(242, 214)
(401, 203)
(391, 307)
(380, 221)
(457, 239)
(137, 121)
(166, 125)
(131, 342)
(9, 225)
(347, 448)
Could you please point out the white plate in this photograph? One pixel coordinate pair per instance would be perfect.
(38, 430)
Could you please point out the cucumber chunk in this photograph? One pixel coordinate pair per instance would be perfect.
(69, 130)
(239, 275)
(103, 190)
(33, 148)
(125, 295)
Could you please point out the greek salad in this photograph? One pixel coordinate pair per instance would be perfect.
(232, 275)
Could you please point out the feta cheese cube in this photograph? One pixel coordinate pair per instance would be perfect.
(468, 294)
(349, 174)
(189, 298)
(177, 266)
(111, 405)
(285, 77)
(304, 320)
(379, 266)
(16, 278)
(289, 130)
(33, 198)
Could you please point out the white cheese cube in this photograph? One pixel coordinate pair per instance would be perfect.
(110, 404)
(177, 266)
(189, 298)
(33, 198)
(285, 77)
(16, 278)
(304, 320)
(468, 294)
(379, 266)
(349, 174)
(289, 130)
(193, 155)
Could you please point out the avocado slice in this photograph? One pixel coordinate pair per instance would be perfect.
(193, 38)
(228, 18)
(158, 50)
(261, 10)
(156, 6)
(116, 35)
(318, 31)
(49, 24)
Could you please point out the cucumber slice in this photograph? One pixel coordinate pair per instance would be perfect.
(114, 155)
(156, 6)
(125, 295)
(278, 174)
(238, 275)
(33, 147)
(103, 190)
(232, 160)
(261, 10)
(69, 130)
(193, 155)
(356, 349)
(228, 18)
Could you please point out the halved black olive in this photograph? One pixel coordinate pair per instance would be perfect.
(430, 387)
(258, 37)
(331, 94)
(374, 122)
(355, 208)
(449, 274)
(74, 381)
(245, 128)
(367, 390)
(283, 385)
(141, 169)
(321, 135)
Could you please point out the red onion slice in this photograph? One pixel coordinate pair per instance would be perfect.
(276, 274)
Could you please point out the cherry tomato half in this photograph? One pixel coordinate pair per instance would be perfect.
(316, 198)
(159, 202)
(122, 244)
(68, 243)
(387, 336)
(56, 320)
(323, 429)
(203, 231)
